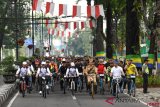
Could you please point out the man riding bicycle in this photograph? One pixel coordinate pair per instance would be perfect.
(131, 70)
(43, 71)
(91, 72)
(23, 71)
(72, 71)
(116, 72)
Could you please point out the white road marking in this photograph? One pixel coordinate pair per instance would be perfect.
(11, 102)
(139, 100)
(74, 97)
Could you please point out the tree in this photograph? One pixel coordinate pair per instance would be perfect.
(8, 21)
(132, 29)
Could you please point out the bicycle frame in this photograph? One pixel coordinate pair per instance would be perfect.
(101, 78)
(23, 86)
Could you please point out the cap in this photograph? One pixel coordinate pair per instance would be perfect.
(116, 62)
(63, 60)
(24, 63)
(43, 63)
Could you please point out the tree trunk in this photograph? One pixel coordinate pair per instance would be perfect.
(132, 30)
(109, 39)
(99, 33)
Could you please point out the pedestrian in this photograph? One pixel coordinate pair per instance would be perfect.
(145, 71)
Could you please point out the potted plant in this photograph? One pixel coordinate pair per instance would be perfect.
(8, 69)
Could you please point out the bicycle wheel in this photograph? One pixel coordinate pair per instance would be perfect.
(92, 90)
(36, 85)
(23, 89)
(134, 90)
(64, 87)
(80, 86)
(72, 87)
(117, 90)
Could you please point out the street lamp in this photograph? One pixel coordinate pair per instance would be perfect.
(16, 29)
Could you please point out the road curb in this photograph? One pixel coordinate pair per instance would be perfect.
(5, 91)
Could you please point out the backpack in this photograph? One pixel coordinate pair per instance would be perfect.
(101, 69)
(71, 72)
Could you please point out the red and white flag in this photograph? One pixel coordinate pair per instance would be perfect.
(66, 25)
(62, 33)
(36, 5)
(99, 11)
(69, 34)
(92, 24)
(82, 25)
(95, 11)
(52, 32)
(62, 9)
(50, 8)
(76, 11)
(75, 25)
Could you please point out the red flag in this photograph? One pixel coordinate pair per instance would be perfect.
(97, 11)
(58, 33)
(60, 9)
(52, 32)
(62, 33)
(82, 25)
(66, 25)
(76, 11)
(69, 34)
(36, 5)
(88, 11)
(48, 4)
(47, 22)
(75, 25)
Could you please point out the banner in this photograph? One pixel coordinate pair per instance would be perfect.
(136, 59)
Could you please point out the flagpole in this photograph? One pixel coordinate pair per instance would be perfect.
(32, 30)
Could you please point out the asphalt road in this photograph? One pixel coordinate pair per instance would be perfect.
(58, 99)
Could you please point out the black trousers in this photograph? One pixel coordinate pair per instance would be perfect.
(145, 82)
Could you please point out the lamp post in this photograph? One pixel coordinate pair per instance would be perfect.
(16, 29)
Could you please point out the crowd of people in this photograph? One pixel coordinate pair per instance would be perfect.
(89, 67)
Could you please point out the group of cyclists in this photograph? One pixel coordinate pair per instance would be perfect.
(88, 69)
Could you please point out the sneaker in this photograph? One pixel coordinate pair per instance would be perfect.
(40, 92)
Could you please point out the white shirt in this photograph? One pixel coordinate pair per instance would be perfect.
(43, 72)
(72, 72)
(117, 72)
(23, 71)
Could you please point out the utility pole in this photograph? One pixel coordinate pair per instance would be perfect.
(32, 29)
(16, 29)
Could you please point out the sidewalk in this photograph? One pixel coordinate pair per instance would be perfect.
(152, 96)
(5, 91)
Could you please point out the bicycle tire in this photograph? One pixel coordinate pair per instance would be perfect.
(80, 86)
(64, 87)
(23, 89)
(117, 88)
(72, 87)
(52, 88)
(92, 90)
(134, 90)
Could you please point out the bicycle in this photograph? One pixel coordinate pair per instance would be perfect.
(52, 83)
(101, 77)
(117, 80)
(45, 91)
(132, 90)
(72, 84)
(23, 86)
(79, 85)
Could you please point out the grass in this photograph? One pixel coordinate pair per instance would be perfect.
(153, 81)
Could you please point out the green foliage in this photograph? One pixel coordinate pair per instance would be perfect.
(7, 65)
(153, 81)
